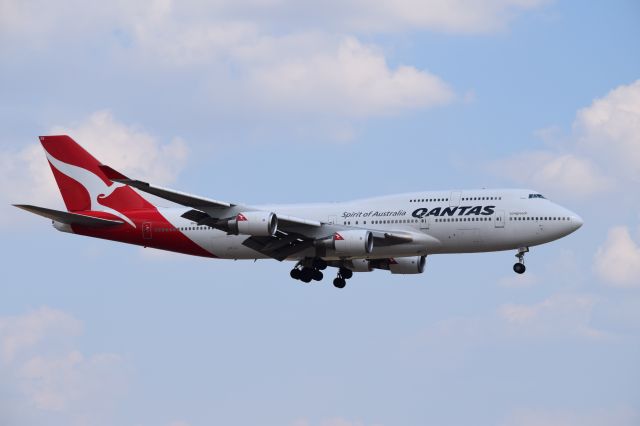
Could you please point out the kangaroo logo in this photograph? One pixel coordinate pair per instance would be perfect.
(98, 190)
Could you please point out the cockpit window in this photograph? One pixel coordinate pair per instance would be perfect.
(536, 196)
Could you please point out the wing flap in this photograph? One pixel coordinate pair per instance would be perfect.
(292, 220)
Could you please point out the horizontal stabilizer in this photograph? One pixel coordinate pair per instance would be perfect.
(69, 218)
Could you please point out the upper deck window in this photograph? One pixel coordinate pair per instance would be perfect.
(536, 196)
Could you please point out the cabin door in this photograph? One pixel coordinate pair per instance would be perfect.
(454, 199)
(146, 231)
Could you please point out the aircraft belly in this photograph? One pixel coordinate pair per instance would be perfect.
(231, 247)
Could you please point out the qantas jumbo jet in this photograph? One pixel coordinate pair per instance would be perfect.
(394, 232)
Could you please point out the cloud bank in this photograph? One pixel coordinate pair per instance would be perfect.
(602, 153)
(25, 176)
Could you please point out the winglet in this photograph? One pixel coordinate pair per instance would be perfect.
(112, 174)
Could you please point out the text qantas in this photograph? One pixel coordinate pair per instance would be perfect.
(424, 211)
(454, 211)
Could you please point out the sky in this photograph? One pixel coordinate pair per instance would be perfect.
(268, 101)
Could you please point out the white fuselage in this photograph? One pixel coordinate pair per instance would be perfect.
(463, 221)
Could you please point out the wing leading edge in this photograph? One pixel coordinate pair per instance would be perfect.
(178, 197)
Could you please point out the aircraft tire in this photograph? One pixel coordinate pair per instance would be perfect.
(306, 275)
(339, 282)
(519, 268)
(295, 273)
(346, 273)
(320, 264)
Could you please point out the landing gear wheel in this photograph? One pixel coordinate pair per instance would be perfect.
(346, 273)
(320, 264)
(295, 273)
(519, 267)
(339, 282)
(317, 275)
(306, 275)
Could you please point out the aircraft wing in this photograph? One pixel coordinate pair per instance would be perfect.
(297, 234)
(294, 234)
(178, 197)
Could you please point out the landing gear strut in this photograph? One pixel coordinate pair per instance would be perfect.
(309, 270)
(343, 275)
(519, 267)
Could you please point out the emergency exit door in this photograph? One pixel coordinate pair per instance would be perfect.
(146, 231)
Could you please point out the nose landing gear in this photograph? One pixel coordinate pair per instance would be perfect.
(519, 267)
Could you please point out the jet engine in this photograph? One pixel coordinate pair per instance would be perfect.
(407, 265)
(359, 265)
(353, 243)
(257, 224)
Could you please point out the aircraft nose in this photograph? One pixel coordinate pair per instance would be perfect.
(576, 221)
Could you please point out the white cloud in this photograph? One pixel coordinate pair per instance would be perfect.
(518, 280)
(69, 381)
(332, 421)
(603, 151)
(128, 148)
(560, 315)
(42, 366)
(619, 416)
(22, 332)
(282, 52)
(609, 129)
(25, 176)
(302, 71)
(41, 20)
(567, 174)
(617, 262)
(339, 421)
(354, 79)
(450, 16)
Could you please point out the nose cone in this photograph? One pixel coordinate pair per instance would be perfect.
(576, 221)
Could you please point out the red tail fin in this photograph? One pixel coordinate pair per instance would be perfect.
(83, 185)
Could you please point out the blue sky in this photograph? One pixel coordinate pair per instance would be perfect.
(277, 101)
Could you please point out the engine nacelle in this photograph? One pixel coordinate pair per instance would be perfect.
(353, 243)
(359, 265)
(407, 265)
(258, 224)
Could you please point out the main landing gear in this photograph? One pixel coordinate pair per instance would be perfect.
(343, 275)
(309, 270)
(519, 267)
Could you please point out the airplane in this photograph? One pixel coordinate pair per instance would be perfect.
(394, 233)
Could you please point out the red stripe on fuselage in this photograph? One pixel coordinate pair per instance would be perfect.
(172, 241)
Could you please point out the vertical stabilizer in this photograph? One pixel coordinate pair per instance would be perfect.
(82, 183)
